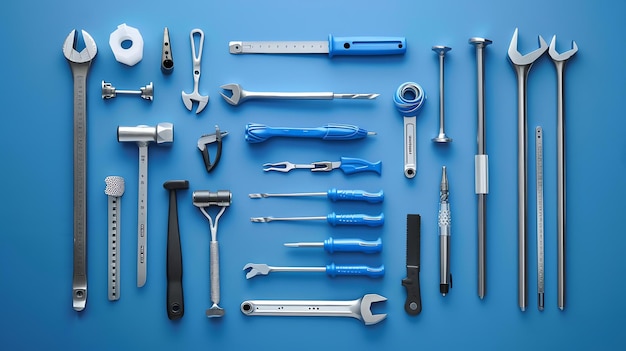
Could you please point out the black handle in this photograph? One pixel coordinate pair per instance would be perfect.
(413, 304)
(175, 301)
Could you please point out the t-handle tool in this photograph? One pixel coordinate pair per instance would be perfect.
(79, 64)
(162, 133)
(175, 303)
(203, 199)
(235, 95)
(332, 245)
(332, 270)
(257, 133)
(559, 61)
(409, 99)
(203, 144)
(332, 219)
(332, 194)
(189, 99)
(334, 46)
(359, 309)
(349, 165)
(114, 190)
(522, 65)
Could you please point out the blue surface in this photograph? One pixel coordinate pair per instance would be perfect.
(36, 213)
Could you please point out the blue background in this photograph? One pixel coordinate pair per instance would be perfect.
(36, 147)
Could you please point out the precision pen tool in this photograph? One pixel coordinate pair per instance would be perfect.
(445, 278)
(334, 46)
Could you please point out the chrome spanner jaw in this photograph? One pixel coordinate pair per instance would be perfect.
(525, 60)
(359, 308)
(85, 55)
(564, 56)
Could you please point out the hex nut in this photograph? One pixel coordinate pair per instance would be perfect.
(132, 55)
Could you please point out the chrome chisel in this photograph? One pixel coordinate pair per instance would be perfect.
(334, 46)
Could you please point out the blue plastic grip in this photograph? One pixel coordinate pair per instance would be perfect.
(355, 195)
(366, 45)
(355, 219)
(350, 165)
(335, 131)
(372, 272)
(353, 245)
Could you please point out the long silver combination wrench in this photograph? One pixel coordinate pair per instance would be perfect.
(559, 61)
(80, 63)
(359, 308)
(522, 65)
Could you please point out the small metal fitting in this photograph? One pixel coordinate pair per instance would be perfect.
(109, 91)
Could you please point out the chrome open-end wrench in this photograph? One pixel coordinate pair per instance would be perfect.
(359, 308)
(188, 99)
(80, 63)
(522, 65)
(559, 61)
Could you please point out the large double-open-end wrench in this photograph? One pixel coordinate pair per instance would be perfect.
(359, 308)
(559, 61)
(522, 65)
(80, 63)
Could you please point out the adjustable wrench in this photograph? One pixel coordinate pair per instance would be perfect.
(359, 309)
(522, 65)
(559, 61)
(80, 63)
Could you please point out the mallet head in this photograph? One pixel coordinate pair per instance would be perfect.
(161, 133)
(205, 198)
(176, 184)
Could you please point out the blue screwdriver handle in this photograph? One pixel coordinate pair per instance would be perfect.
(350, 165)
(355, 195)
(372, 272)
(355, 219)
(257, 133)
(366, 45)
(352, 245)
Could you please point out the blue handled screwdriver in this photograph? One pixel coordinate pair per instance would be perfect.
(332, 245)
(332, 194)
(332, 219)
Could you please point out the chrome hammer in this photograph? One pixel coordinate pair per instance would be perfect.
(143, 135)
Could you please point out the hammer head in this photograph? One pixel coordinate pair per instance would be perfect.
(176, 184)
(205, 198)
(161, 133)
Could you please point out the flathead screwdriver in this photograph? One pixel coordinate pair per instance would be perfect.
(343, 245)
(332, 219)
(332, 194)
